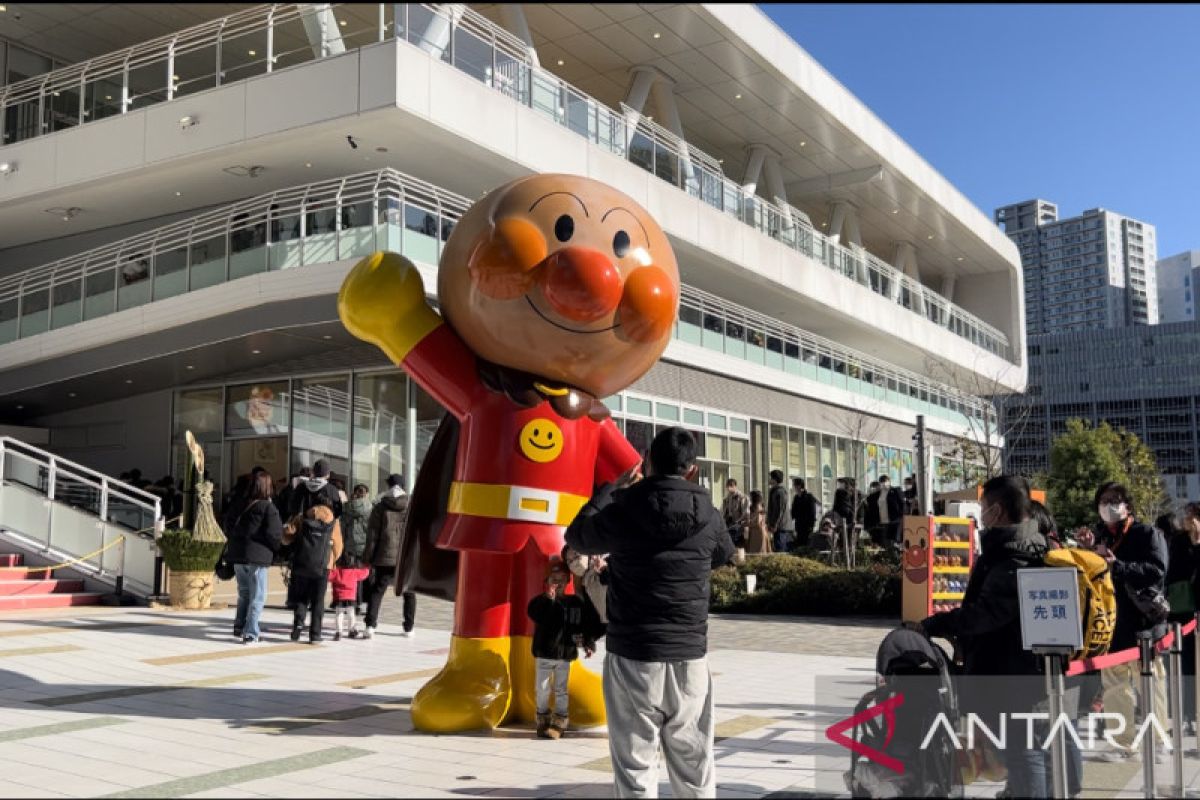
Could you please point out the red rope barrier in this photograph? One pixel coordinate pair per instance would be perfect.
(1124, 656)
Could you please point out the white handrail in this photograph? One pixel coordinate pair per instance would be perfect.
(97, 480)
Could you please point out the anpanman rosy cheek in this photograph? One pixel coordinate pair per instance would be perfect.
(503, 257)
(648, 304)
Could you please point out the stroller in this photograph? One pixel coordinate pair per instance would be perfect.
(908, 664)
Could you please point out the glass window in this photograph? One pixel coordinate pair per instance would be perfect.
(639, 435)
(613, 403)
(739, 425)
(779, 447)
(638, 407)
(795, 453)
(812, 461)
(321, 422)
(429, 417)
(198, 411)
(716, 447)
(380, 429)
(256, 409)
(693, 417)
(667, 412)
(717, 421)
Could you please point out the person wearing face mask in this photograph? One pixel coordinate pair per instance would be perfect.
(986, 629)
(891, 510)
(1137, 555)
(1183, 587)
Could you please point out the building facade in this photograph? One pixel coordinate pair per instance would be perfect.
(172, 237)
(1141, 379)
(1096, 270)
(1177, 277)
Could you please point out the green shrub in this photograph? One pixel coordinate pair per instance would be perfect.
(788, 584)
(182, 553)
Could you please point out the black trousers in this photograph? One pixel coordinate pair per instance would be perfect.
(307, 593)
(380, 582)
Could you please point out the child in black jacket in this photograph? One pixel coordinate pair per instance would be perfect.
(562, 624)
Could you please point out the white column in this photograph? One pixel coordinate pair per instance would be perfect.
(643, 79)
(512, 15)
(948, 282)
(754, 168)
(906, 262)
(436, 37)
(664, 101)
(843, 224)
(321, 28)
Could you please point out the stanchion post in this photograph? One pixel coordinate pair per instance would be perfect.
(1055, 690)
(121, 570)
(1146, 708)
(1175, 668)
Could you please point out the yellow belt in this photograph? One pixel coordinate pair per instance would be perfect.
(518, 503)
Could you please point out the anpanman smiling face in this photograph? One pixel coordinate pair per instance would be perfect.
(563, 277)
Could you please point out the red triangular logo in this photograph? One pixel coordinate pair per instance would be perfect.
(837, 732)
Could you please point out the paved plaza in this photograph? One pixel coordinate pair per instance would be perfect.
(140, 702)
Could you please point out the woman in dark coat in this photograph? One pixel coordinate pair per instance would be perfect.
(1183, 572)
(254, 538)
(1137, 555)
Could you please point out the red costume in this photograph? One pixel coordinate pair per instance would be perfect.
(507, 510)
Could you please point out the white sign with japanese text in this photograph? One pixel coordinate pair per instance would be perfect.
(1049, 607)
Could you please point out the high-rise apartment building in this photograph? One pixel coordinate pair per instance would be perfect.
(1092, 271)
(1177, 276)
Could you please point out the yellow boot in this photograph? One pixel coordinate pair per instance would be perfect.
(584, 690)
(472, 692)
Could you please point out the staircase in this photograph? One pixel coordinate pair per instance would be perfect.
(23, 587)
(60, 512)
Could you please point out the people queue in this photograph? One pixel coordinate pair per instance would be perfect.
(327, 541)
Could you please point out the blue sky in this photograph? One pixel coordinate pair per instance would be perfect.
(1083, 105)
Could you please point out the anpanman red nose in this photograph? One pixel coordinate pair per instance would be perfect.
(581, 284)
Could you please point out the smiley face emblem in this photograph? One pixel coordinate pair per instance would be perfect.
(541, 441)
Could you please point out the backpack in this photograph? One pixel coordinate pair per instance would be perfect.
(311, 548)
(1097, 599)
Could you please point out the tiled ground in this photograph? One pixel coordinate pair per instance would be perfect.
(149, 703)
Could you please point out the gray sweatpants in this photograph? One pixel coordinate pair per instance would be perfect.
(651, 703)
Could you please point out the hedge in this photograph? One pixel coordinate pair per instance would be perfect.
(790, 584)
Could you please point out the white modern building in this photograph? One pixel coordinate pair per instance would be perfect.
(1177, 277)
(180, 205)
(1092, 271)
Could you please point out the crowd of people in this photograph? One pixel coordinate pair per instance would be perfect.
(985, 629)
(778, 522)
(326, 540)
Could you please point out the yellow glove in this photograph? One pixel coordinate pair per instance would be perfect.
(382, 301)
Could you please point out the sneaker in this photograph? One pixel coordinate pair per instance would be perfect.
(408, 634)
(337, 636)
(237, 633)
(1113, 756)
(355, 633)
(249, 640)
(316, 639)
(296, 634)
(369, 632)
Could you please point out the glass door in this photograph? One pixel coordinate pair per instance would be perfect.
(243, 455)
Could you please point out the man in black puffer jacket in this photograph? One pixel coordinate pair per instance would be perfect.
(1001, 675)
(663, 537)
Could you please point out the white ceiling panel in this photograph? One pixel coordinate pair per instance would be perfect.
(683, 21)
(548, 23)
(618, 12)
(629, 47)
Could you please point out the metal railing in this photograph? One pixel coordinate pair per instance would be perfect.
(722, 326)
(76, 514)
(228, 49)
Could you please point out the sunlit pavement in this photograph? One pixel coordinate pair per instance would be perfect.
(157, 703)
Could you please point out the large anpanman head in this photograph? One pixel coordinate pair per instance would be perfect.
(563, 277)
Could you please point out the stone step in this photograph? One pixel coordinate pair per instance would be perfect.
(48, 586)
(20, 602)
(23, 573)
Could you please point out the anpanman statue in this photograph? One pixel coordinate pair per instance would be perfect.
(555, 291)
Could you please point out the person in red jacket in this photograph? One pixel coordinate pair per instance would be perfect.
(555, 291)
